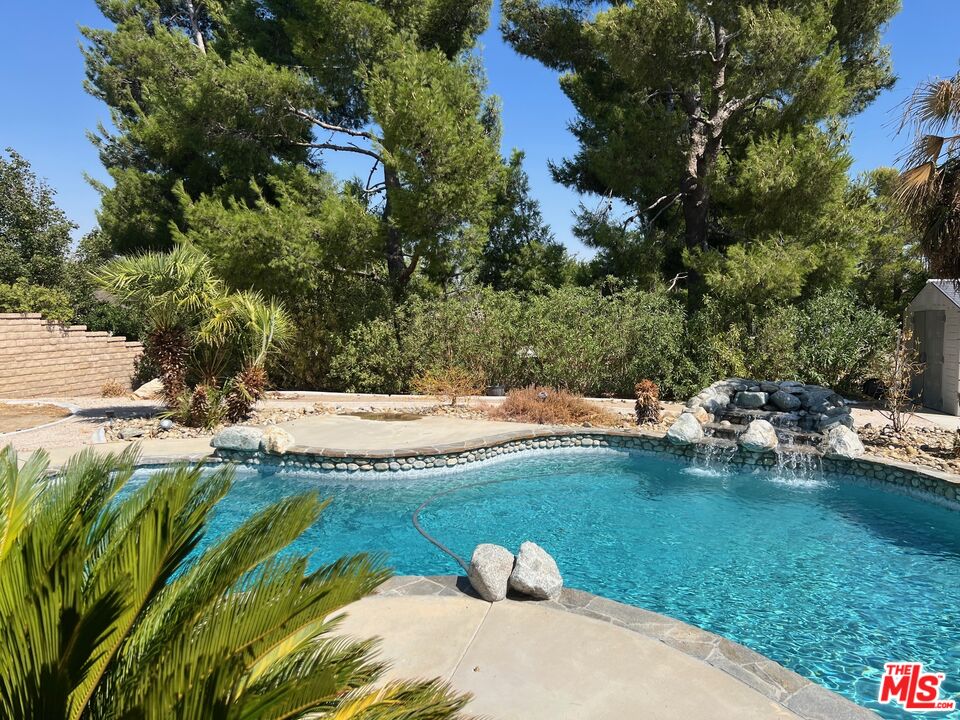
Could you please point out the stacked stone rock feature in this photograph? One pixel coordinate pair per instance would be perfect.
(733, 407)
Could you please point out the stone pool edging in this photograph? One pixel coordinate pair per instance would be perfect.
(794, 692)
(907, 477)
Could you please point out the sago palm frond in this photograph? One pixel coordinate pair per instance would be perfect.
(113, 604)
(19, 489)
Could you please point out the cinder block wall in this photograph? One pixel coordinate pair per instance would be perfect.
(45, 359)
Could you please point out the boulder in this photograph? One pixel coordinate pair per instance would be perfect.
(686, 430)
(842, 442)
(535, 573)
(769, 387)
(759, 437)
(841, 410)
(276, 440)
(830, 421)
(702, 416)
(238, 437)
(489, 571)
(713, 399)
(820, 399)
(149, 390)
(751, 399)
(785, 401)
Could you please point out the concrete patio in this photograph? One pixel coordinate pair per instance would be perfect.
(583, 657)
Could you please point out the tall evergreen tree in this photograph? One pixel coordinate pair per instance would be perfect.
(672, 94)
(208, 97)
(521, 252)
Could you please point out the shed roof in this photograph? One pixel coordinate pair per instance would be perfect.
(949, 288)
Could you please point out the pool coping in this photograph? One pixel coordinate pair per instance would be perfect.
(794, 692)
(906, 477)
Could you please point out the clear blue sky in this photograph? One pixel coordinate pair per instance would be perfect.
(46, 113)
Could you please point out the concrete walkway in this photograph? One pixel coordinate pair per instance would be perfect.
(355, 434)
(524, 660)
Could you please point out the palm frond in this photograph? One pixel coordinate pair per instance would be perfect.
(19, 488)
(109, 610)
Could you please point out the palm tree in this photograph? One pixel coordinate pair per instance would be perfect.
(109, 608)
(929, 188)
(197, 327)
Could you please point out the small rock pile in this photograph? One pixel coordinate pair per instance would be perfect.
(927, 446)
(493, 570)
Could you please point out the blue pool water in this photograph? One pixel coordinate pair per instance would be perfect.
(828, 576)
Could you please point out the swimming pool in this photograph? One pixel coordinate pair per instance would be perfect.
(826, 575)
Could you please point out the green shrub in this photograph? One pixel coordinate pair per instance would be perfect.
(598, 344)
(370, 360)
(22, 297)
(841, 343)
(571, 338)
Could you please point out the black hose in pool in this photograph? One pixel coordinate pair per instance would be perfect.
(450, 491)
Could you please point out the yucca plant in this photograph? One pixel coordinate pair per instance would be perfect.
(110, 609)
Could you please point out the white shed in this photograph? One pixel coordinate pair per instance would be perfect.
(935, 317)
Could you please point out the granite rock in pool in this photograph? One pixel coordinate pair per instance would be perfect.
(842, 442)
(489, 571)
(686, 430)
(276, 440)
(759, 437)
(536, 573)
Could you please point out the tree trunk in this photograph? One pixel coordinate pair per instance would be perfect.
(195, 27)
(695, 201)
(396, 264)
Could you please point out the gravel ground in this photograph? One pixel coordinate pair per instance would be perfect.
(79, 429)
(930, 447)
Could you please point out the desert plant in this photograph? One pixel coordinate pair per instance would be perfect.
(243, 391)
(200, 335)
(647, 406)
(549, 406)
(451, 383)
(114, 389)
(901, 368)
(110, 608)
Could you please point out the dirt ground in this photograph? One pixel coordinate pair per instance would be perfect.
(20, 417)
